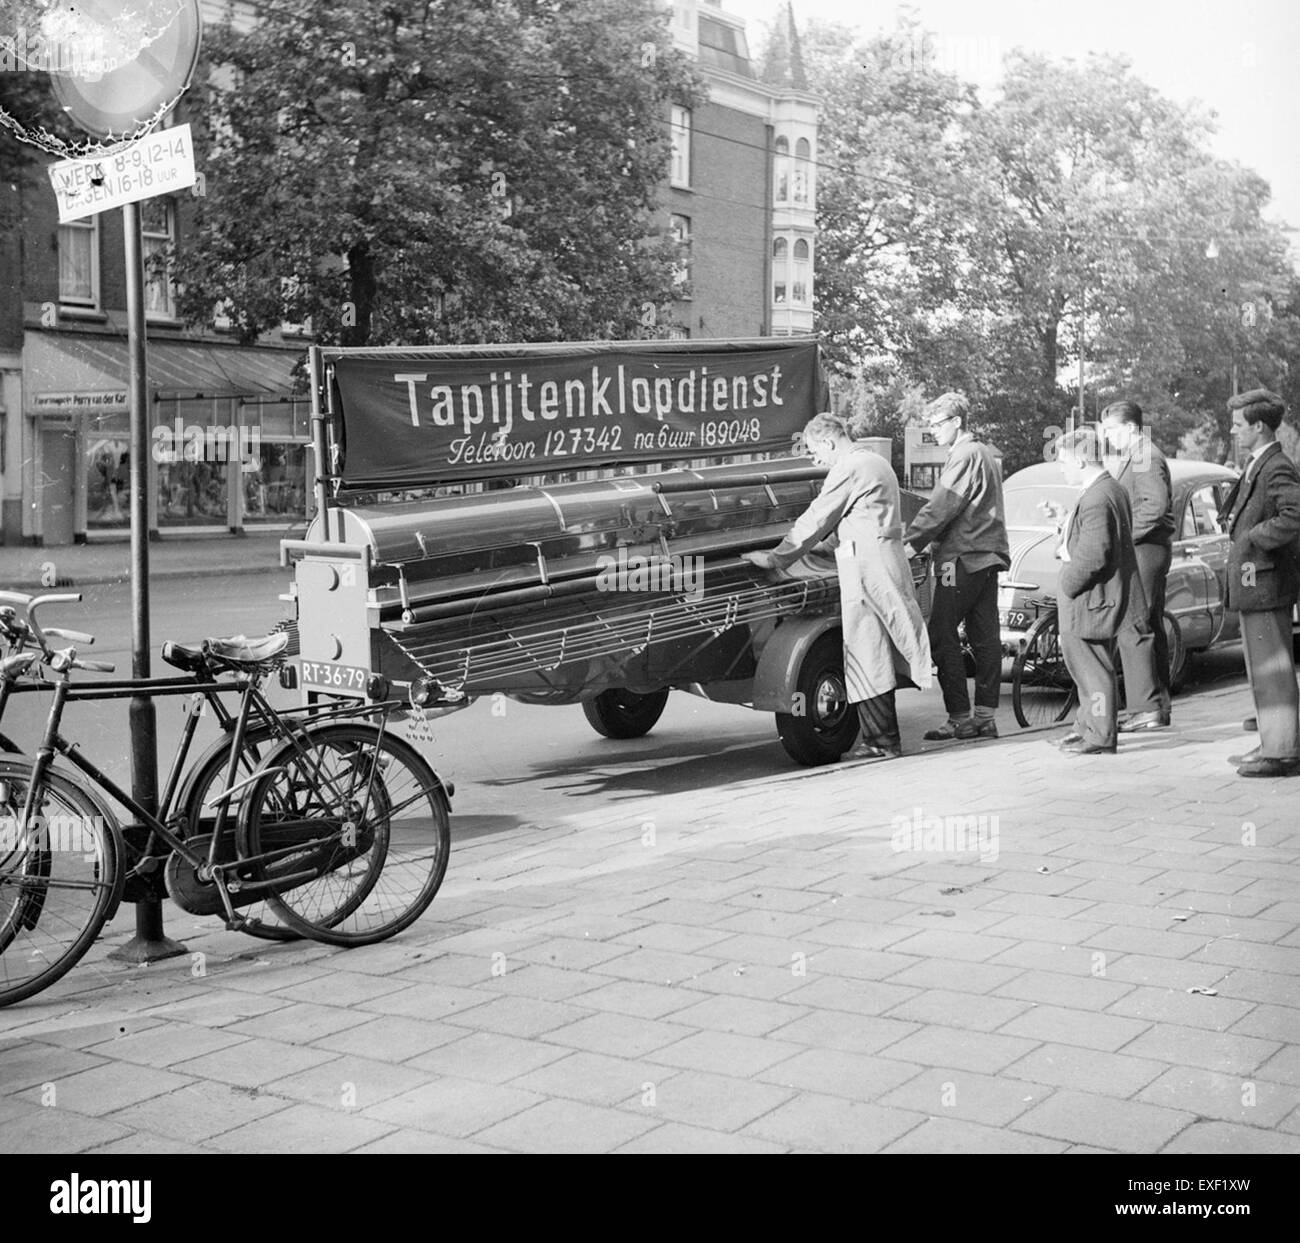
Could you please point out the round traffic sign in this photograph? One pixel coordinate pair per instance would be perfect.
(124, 62)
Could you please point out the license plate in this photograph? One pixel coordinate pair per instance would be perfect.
(329, 676)
(1015, 619)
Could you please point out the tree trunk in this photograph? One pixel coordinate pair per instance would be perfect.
(362, 285)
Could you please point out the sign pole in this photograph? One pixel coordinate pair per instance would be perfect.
(150, 943)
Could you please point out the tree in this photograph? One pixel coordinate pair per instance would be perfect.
(421, 173)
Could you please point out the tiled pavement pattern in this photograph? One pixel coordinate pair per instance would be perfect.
(750, 967)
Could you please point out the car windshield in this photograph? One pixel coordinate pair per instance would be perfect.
(1024, 505)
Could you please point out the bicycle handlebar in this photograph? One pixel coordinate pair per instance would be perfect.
(72, 636)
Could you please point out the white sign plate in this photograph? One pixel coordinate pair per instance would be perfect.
(160, 163)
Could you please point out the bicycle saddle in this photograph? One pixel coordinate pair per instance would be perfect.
(241, 650)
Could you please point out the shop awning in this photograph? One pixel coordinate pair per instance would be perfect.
(63, 362)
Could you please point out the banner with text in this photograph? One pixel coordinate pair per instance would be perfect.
(405, 418)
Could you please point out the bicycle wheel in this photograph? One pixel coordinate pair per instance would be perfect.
(60, 879)
(351, 830)
(203, 782)
(1042, 691)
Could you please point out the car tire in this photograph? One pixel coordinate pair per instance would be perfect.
(829, 725)
(1180, 658)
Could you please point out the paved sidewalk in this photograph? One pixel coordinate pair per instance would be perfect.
(175, 556)
(749, 967)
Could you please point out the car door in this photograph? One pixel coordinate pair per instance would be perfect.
(1204, 538)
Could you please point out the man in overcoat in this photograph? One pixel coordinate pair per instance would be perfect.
(1263, 516)
(885, 640)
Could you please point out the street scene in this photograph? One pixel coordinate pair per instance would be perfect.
(741, 601)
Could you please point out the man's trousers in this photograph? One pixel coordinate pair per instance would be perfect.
(1145, 657)
(970, 597)
(1270, 662)
(1091, 663)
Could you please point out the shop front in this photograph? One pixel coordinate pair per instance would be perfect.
(228, 444)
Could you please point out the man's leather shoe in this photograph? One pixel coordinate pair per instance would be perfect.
(1234, 760)
(872, 751)
(977, 729)
(1266, 766)
(1086, 748)
(1070, 739)
(1141, 721)
(945, 733)
(1250, 725)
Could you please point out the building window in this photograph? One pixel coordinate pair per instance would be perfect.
(802, 170)
(79, 262)
(680, 226)
(802, 281)
(780, 269)
(681, 127)
(158, 227)
(781, 170)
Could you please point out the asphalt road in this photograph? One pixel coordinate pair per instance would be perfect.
(512, 763)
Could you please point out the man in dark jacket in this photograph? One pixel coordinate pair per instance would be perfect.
(1099, 592)
(965, 521)
(1141, 470)
(1263, 516)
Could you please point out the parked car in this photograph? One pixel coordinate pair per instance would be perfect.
(1195, 613)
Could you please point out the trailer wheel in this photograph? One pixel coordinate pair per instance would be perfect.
(827, 725)
(620, 713)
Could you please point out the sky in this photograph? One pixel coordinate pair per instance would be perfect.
(1240, 58)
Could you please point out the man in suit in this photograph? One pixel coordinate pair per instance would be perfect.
(1263, 509)
(1141, 470)
(1099, 593)
(965, 523)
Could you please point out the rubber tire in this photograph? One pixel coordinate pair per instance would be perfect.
(207, 774)
(108, 893)
(1180, 659)
(620, 713)
(810, 738)
(1046, 624)
(249, 836)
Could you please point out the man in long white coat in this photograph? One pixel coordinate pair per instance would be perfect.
(885, 640)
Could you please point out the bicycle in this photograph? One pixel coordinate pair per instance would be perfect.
(341, 828)
(1042, 690)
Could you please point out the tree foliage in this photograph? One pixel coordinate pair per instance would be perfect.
(448, 171)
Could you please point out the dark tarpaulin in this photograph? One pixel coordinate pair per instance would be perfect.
(425, 416)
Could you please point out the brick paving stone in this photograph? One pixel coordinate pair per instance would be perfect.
(1224, 1137)
(959, 1050)
(1046, 905)
(348, 1083)
(566, 1126)
(196, 1113)
(832, 1124)
(1265, 986)
(166, 1045)
(1284, 1065)
(1211, 924)
(965, 977)
(105, 1089)
(1167, 972)
(676, 938)
(711, 1101)
(409, 1141)
(1282, 959)
(952, 1135)
(419, 1001)
(783, 898)
(1068, 1066)
(1186, 1046)
(79, 1030)
(767, 923)
(262, 975)
(845, 993)
(991, 1099)
(458, 970)
(656, 967)
(1269, 1023)
(391, 1038)
(861, 964)
(853, 1033)
(572, 954)
(746, 980)
(303, 1128)
(142, 1143)
(674, 1137)
(631, 997)
(746, 1016)
(1071, 960)
(951, 1009)
(453, 1107)
(617, 1035)
(517, 1016)
(543, 983)
(220, 1007)
(596, 1078)
(343, 988)
(684, 911)
(832, 1072)
(39, 1129)
(724, 1053)
(1149, 941)
(1180, 882)
(489, 1056)
(1088, 1028)
(254, 1063)
(1213, 1095)
(299, 1022)
(965, 946)
(1079, 992)
(23, 1064)
(1104, 1121)
(1070, 931)
(1186, 1009)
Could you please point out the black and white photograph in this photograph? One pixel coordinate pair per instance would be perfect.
(650, 576)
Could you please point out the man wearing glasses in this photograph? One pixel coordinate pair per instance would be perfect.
(965, 521)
